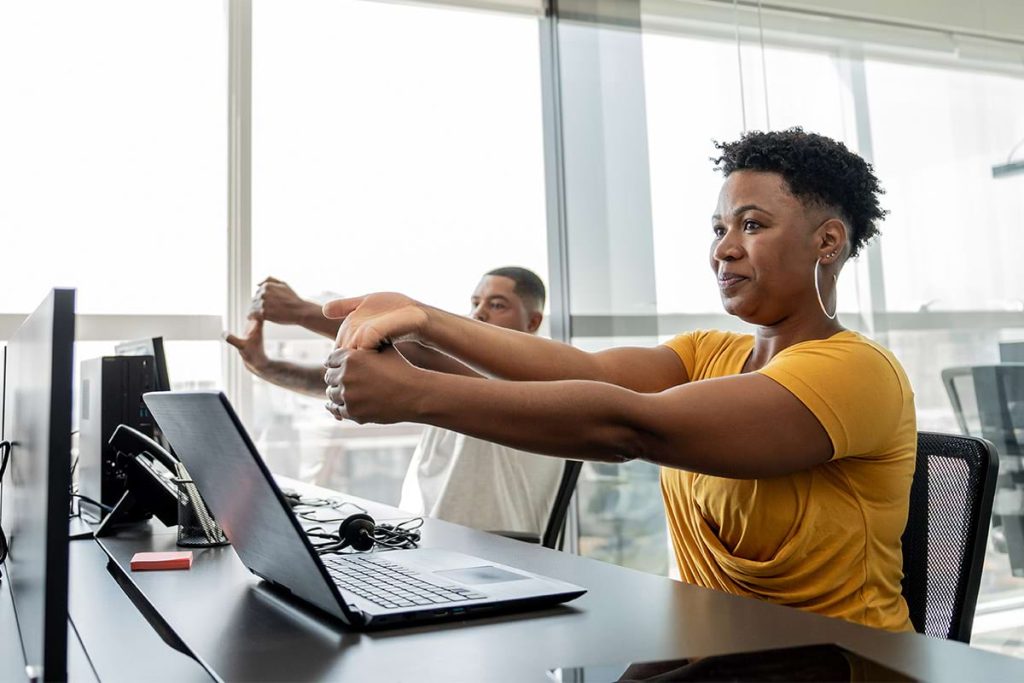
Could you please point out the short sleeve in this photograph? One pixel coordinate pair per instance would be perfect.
(855, 390)
(685, 346)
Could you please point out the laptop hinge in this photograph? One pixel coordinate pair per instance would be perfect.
(355, 617)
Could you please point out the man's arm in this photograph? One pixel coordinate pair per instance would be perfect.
(493, 351)
(275, 301)
(305, 379)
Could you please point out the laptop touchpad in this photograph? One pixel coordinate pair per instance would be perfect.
(486, 574)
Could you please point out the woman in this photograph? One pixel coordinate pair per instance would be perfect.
(786, 455)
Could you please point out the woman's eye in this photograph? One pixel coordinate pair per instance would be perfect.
(718, 230)
(751, 225)
(497, 306)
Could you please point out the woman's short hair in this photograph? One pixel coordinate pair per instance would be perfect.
(817, 169)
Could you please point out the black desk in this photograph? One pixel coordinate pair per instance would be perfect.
(240, 630)
(105, 630)
(12, 659)
(120, 643)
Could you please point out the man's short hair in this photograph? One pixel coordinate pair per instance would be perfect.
(529, 287)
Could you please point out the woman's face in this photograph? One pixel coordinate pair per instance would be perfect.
(764, 248)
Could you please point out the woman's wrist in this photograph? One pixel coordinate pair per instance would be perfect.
(435, 325)
(427, 395)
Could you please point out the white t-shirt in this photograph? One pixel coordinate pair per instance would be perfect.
(480, 484)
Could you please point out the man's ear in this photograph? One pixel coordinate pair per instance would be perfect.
(834, 244)
(535, 320)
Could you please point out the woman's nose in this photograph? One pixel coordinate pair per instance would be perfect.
(727, 249)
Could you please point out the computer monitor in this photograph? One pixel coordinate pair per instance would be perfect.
(153, 346)
(36, 500)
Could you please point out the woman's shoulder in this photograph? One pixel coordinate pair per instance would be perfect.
(854, 386)
(711, 353)
(856, 351)
(709, 339)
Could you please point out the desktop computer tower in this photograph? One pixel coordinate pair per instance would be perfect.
(111, 394)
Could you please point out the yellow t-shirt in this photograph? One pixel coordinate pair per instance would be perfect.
(826, 539)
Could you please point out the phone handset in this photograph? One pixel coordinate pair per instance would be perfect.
(133, 442)
(167, 497)
(146, 489)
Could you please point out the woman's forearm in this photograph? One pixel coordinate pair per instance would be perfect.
(506, 354)
(576, 419)
(432, 359)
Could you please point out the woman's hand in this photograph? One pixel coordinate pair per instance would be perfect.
(376, 319)
(372, 386)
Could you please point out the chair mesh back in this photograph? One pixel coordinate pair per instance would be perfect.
(947, 528)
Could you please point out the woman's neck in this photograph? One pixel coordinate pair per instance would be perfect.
(769, 340)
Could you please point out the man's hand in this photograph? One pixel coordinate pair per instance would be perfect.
(276, 302)
(372, 386)
(376, 319)
(250, 347)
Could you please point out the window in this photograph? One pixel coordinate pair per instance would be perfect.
(394, 148)
(953, 239)
(621, 516)
(113, 143)
(689, 108)
(113, 139)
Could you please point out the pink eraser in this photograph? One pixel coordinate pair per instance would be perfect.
(173, 560)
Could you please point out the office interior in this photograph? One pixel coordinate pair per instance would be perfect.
(164, 157)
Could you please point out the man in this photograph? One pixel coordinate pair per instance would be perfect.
(451, 476)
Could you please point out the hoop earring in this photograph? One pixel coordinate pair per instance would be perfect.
(818, 292)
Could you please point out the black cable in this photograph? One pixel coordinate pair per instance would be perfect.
(404, 535)
(316, 503)
(5, 448)
(90, 501)
(5, 456)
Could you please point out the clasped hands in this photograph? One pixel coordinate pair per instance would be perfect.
(367, 379)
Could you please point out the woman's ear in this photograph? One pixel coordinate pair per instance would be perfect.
(834, 245)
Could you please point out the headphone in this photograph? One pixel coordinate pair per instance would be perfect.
(361, 533)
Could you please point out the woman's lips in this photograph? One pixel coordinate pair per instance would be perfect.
(729, 281)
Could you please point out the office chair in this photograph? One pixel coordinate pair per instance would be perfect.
(947, 528)
(988, 401)
(559, 509)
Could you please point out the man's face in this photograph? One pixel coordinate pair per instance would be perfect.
(494, 301)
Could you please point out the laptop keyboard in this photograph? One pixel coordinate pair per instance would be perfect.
(389, 584)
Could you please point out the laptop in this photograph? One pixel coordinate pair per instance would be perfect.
(372, 589)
